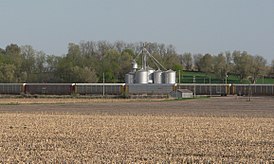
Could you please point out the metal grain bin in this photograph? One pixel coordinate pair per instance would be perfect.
(141, 77)
(150, 75)
(169, 77)
(134, 65)
(129, 78)
(157, 77)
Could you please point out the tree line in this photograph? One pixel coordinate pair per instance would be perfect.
(87, 61)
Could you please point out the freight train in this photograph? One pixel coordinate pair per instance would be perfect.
(123, 89)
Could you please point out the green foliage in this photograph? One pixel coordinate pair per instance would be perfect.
(177, 67)
(84, 75)
(88, 61)
(207, 63)
(200, 77)
(7, 73)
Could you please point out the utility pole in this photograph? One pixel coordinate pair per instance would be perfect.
(103, 84)
(226, 76)
(179, 78)
(194, 81)
(210, 86)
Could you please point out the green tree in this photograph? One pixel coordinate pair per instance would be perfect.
(33, 67)
(63, 70)
(75, 66)
(222, 65)
(271, 72)
(40, 62)
(13, 57)
(7, 73)
(125, 63)
(258, 68)
(85, 75)
(2, 55)
(52, 62)
(28, 63)
(207, 63)
(243, 62)
(111, 66)
(220, 69)
(74, 54)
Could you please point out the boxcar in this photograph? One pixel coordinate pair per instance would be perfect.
(11, 88)
(206, 89)
(49, 88)
(253, 89)
(99, 88)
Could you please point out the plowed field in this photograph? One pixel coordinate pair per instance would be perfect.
(212, 130)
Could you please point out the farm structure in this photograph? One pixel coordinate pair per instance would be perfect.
(123, 89)
(147, 75)
(182, 93)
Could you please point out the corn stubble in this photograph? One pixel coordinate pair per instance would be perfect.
(57, 138)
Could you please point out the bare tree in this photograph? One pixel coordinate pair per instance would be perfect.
(272, 67)
(197, 62)
(220, 69)
(258, 68)
(243, 63)
(223, 65)
(187, 61)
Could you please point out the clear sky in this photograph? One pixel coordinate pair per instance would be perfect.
(196, 26)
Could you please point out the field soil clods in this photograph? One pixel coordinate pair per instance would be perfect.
(213, 130)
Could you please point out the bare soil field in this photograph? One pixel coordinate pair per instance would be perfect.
(211, 130)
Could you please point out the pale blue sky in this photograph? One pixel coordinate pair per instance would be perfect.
(196, 26)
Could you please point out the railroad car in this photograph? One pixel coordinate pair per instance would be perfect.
(206, 89)
(99, 88)
(11, 88)
(49, 88)
(120, 89)
(253, 89)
